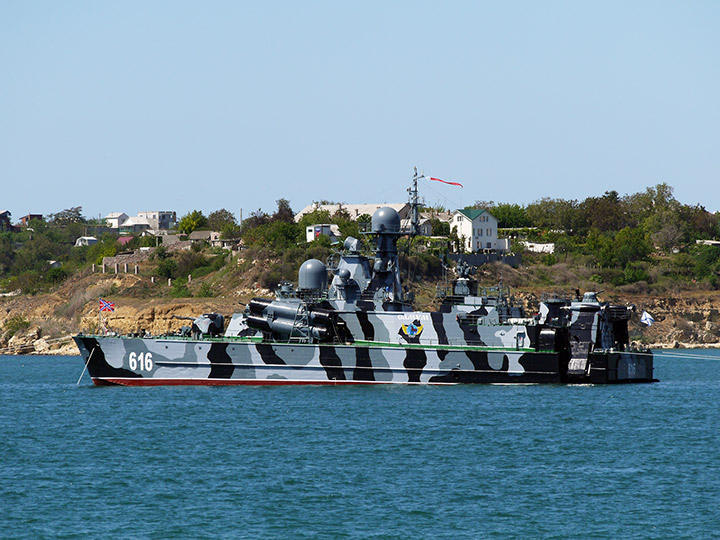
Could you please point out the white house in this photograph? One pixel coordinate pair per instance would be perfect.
(115, 219)
(478, 228)
(134, 224)
(163, 219)
(330, 230)
(425, 226)
(158, 220)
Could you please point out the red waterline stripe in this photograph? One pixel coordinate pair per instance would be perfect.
(131, 381)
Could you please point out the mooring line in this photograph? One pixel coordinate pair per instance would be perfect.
(86, 365)
(671, 353)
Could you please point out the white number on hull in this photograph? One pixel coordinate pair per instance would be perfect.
(142, 360)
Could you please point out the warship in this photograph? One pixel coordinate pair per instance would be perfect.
(352, 321)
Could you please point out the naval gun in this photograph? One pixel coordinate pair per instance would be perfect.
(206, 325)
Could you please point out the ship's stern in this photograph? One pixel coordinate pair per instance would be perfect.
(621, 367)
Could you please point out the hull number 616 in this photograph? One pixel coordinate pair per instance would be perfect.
(143, 361)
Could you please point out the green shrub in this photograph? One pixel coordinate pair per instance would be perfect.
(201, 271)
(160, 253)
(15, 324)
(107, 247)
(634, 273)
(188, 261)
(179, 289)
(218, 261)
(56, 275)
(270, 280)
(205, 291)
(549, 259)
(166, 268)
(28, 282)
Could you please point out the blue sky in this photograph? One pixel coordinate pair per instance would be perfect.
(133, 106)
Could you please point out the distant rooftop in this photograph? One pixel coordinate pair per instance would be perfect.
(354, 210)
(472, 213)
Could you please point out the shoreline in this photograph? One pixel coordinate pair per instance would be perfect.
(677, 345)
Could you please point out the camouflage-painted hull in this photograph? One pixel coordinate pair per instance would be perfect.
(174, 361)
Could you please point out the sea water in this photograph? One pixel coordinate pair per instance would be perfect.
(629, 461)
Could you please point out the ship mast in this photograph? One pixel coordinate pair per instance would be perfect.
(414, 203)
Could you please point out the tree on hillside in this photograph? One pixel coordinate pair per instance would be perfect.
(640, 206)
(631, 245)
(662, 196)
(457, 242)
(256, 219)
(557, 214)
(666, 228)
(364, 218)
(35, 254)
(217, 219)
(702, 223)
(106, 247)
(341, 214)
(224, 221)
(707, 262)
(618, 250)
(67, 216)
(433, 209)
(510, 215)
(5, 224)
(439, 228)
(276, 235)
(315, 217)
(192, 221)
(7, 253)
(481, 205)
(284, 212)
(604, 213)
(601, 248)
